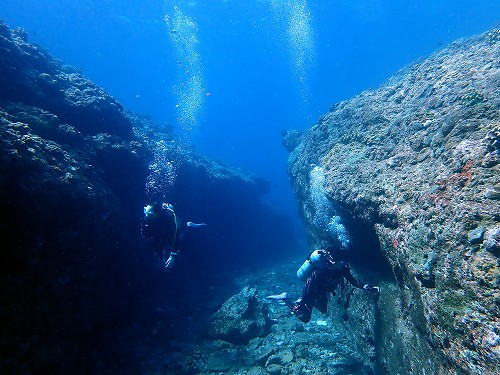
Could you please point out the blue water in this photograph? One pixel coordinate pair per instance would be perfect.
(261, 66)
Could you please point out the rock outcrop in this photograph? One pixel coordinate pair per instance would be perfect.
(241, 318)
(30, 75)
(73, 170)
(412, 170)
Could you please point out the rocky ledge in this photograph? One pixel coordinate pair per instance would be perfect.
(411, 171)
(75, 167)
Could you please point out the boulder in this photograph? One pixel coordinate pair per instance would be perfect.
(241, 318)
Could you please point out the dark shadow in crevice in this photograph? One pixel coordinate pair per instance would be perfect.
(364, 253)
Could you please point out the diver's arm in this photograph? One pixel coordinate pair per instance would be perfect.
(169, 263)
(346, 272)
(195, 225)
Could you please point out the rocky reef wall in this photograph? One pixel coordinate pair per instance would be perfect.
(75, 282)
(411, 171)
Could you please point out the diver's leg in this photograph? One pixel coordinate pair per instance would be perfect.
(322, 302)
(302, 311)
(303, 308)
(312, 289)
(278, 296)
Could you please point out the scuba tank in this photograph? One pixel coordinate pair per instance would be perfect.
(305, 270)
(314, 261)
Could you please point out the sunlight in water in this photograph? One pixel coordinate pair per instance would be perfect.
(189, 91)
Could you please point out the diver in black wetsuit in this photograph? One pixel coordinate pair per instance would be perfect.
(323, 275)
(163, 233)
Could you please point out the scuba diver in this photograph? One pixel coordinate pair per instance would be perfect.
(322, 275)
(162, 232)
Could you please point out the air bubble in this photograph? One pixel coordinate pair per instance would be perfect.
(324, 217)
(190, 88)
(162, 171)
(299, 38)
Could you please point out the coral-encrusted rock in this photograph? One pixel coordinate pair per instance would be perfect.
(73, 167)
(416, 164)
(241, 318)
(492, 240)
(291, 139)
(30, 75)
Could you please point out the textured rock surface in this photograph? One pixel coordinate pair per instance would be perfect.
(78, 291)
(32, 76)
(241, 318)
(329, 344)
(414, 165)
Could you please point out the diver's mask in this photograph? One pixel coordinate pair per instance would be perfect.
(148, 210)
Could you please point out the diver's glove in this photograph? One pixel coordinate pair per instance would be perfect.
(170, 261)
(195, 225)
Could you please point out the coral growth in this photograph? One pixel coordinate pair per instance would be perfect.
(415, 164)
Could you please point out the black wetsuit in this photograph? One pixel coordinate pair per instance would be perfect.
(315, 293)
(161, 232)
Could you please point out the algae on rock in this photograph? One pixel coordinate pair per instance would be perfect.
(415, 166)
